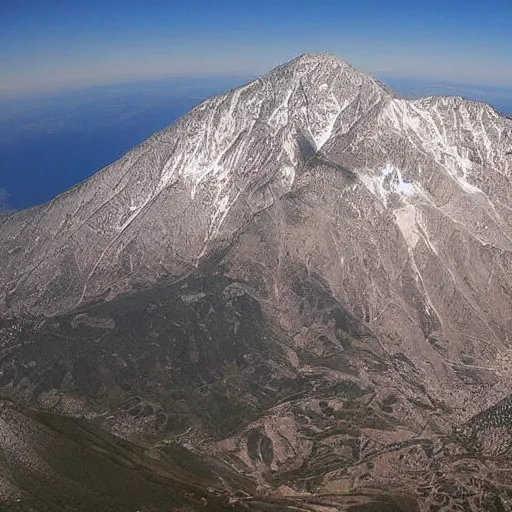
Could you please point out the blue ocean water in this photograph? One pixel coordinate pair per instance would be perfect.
(49, 143)
(37, 166)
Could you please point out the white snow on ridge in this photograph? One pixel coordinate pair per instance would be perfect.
(324, 119)
(397, 183)
(250, 134)
(425, 128)
(404, 188)
(388, 182)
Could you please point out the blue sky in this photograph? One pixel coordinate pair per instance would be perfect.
(48, 44)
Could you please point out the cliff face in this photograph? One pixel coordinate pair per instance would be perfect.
(307, 278)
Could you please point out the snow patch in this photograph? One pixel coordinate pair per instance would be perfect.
(279, 118)
(405, 188)
(289, 146)
(288, 176)
(323, 119)
(389, 181)
(222, 206)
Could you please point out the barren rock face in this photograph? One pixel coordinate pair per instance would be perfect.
(306, 280)
(166, 205)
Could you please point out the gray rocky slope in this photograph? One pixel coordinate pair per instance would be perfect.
(307, 277)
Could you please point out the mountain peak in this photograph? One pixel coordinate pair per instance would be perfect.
(318, 61)
(318, 57)
(230, 157)
(313, 67)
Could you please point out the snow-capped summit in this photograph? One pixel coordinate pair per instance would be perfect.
(242, 147)
(161, 208)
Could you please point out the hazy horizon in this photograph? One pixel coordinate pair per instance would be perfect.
(59, 45)
(239, 79)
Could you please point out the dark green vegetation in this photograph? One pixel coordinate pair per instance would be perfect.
(201, 361)
(387, 504)
(198, 360)
(171, 358)
(178, 369)
(68, 464)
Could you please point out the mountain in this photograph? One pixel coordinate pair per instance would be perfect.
(305, 282)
